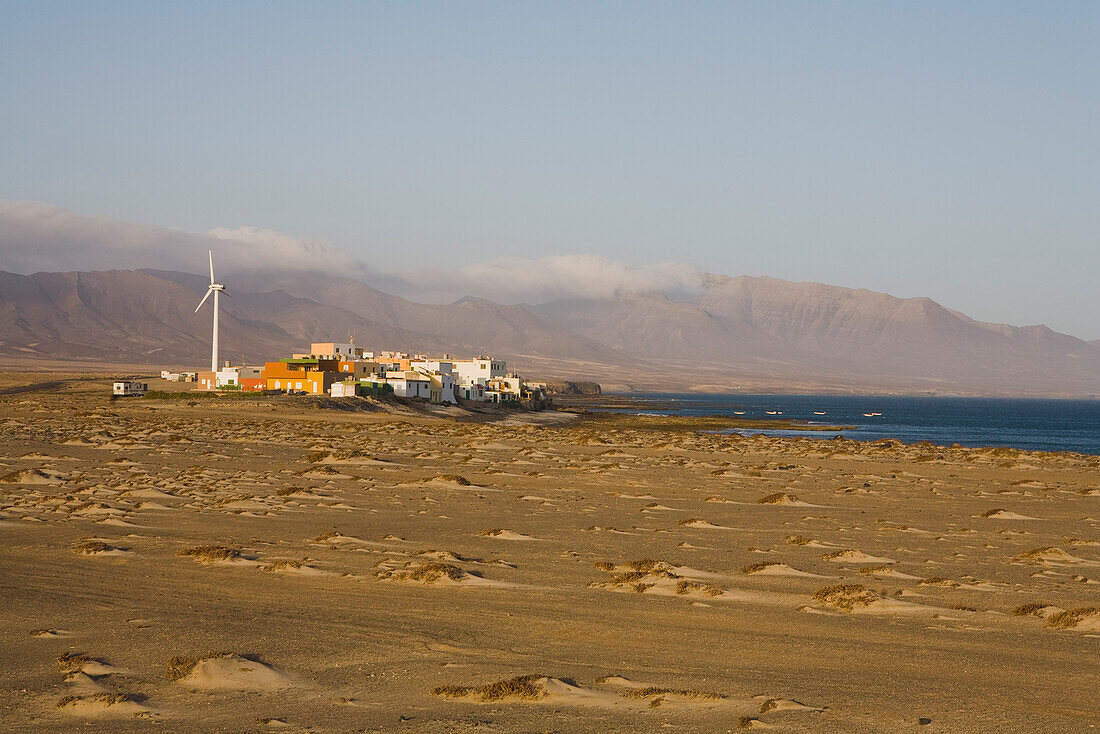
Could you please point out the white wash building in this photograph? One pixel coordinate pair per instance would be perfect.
(409, 384)
(232, 376)
(478, 371)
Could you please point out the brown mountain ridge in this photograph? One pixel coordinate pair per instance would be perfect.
(735, 333)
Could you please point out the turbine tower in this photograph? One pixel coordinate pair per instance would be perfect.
(217, 289)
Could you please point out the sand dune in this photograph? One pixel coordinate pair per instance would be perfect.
(228, 671)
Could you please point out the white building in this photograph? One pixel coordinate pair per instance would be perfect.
(442, 385)
(443, 367)
(470, 392)
(511, 386)
(343, 389)
(478, 371)
(232, 376)
(410, 384)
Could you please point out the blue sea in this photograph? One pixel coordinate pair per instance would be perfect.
(1040, 425)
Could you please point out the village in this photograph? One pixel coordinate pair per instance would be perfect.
(342, 370)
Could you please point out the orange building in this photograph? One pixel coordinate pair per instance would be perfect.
(310, 375)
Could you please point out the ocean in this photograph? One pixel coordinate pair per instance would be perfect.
(1034, 424)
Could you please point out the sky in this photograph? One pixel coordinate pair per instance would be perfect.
(942, 149)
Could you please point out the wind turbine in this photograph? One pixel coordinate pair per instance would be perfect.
(217, 289)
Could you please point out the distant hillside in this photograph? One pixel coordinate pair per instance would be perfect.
(810, 331)
(736, 333)
(148, 316)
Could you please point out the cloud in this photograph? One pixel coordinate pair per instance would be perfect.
(536, 280)
(40, 237)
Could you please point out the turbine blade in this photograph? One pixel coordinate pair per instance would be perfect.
(208, 292)
(211, 253)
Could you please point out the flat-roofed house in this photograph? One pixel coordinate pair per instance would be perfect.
(478, 371)
(304, 374)
(409, 384)
(335, 350)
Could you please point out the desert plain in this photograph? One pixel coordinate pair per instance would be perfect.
(285, 565)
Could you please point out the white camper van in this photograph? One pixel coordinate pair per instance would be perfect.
(127, 389)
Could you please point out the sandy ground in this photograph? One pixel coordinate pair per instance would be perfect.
(242, 566)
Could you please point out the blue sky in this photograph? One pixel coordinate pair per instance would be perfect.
(940, 149)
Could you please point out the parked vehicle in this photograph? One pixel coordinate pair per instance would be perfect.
(128, 388)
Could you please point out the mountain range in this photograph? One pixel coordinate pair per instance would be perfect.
(734, 333)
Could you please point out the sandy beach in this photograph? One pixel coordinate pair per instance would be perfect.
(253, 565)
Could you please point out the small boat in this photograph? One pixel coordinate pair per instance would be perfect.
(774, 412)
(819, 412)
(738, 412)
(871, 415)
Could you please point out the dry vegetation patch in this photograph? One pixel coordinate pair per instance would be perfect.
(427, 573)
(70, 662)
(697, 587)
(779, 498)
(657, 693)
(103, 699)
(211, 553)
(91, 547)
(523, 687)
(845, 597)
(1031, 609)
(1072, 617)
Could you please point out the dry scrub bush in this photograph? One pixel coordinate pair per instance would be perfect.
(524, 687)
(211, 553)
(845, 597)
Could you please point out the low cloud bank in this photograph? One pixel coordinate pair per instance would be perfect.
(537, 280)
(40, 237)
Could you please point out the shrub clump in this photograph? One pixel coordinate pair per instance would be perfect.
(524, 687)
(686, 587)
(109, 699)
(654, 691)
(778, 498)
(426, 573)
(88, 547)
(1071, 617)
(1031, 609)
(211, 553)
(845, 597)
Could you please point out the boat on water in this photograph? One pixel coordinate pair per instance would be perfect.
(819, 412)
(738, 412)
(871, 415)
(774, 412)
